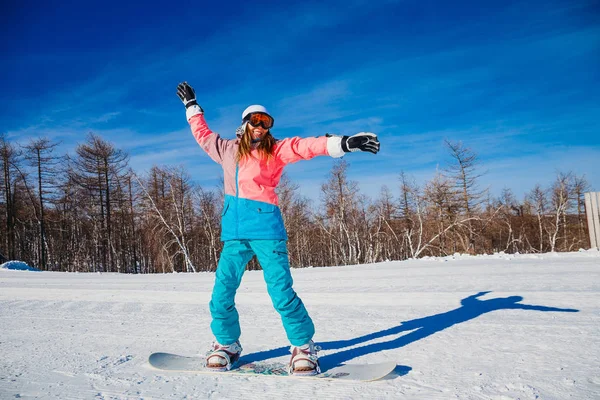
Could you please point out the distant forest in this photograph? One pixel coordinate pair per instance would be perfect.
(90, 212)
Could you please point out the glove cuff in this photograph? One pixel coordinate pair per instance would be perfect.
(193, 110)
(344, 144)
(334, 146)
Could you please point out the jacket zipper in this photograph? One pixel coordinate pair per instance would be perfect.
(237, 197)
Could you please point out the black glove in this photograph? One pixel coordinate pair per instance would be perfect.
(187, 95)
(363, 141)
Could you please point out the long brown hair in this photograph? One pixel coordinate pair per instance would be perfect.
(265, 147)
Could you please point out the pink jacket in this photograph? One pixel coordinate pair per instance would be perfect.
(250, 209)
(257, 178)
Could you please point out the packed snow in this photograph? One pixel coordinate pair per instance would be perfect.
(482, 327)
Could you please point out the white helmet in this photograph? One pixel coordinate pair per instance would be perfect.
(255, 108)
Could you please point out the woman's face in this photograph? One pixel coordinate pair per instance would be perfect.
(257, 132)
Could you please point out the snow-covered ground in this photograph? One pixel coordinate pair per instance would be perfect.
(488, 327)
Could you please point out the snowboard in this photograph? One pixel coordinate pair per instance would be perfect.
(346, 372)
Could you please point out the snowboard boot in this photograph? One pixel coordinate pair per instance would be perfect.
(304, 359)
(222, 358)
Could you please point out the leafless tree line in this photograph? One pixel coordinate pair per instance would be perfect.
(91, 212)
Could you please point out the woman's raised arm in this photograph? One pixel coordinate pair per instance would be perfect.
(210, 142)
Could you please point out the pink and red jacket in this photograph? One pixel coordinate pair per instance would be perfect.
(250, 209)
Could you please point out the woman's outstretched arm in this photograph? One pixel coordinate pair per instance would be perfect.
(294, 149)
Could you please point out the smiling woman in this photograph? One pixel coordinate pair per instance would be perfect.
(252, 224)
(255, 132)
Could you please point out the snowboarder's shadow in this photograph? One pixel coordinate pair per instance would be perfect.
(471, 307)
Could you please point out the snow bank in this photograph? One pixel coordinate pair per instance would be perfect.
(18, 266)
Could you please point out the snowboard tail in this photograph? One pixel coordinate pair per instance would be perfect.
(347, 372)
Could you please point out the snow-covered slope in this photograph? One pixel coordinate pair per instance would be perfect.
(490, 327)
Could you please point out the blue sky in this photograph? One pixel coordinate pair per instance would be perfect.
(518, 82)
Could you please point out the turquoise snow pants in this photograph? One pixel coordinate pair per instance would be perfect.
(273, 258)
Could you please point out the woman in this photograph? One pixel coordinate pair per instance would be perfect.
(252, 224)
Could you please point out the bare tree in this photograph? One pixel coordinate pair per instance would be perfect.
(443, 204)
(174, 217)
(385, 241)
(8, 160)
(296, 217)
(580, 187)
(98, 168)
(339, 196)
(538, 198)
(39, 154)
(561, 196)
(507, 206)
(464, 172)
(210, 217)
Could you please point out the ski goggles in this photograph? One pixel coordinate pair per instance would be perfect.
(260, 119)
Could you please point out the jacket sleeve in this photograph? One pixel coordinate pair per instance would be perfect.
(291, 150)
(210, 142)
